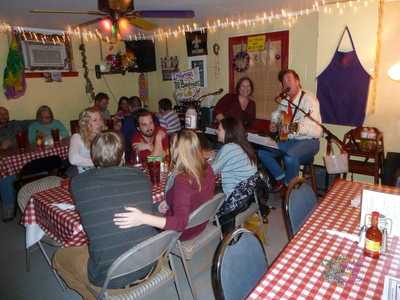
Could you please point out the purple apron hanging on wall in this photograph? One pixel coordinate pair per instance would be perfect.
(343, 88)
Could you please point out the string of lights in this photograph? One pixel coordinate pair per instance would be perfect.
(287, 16)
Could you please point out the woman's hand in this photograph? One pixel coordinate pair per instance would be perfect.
(132, 218)
(163, 207)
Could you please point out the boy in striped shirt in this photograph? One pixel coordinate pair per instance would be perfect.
(168, 118)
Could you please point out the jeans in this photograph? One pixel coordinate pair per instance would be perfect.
(293, 152)
(7, 192)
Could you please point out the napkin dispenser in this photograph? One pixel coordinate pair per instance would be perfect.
(388, 206)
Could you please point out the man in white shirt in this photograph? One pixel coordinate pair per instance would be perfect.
(302, 133)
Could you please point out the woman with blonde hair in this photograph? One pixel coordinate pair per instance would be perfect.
(191, 184)
(90, 124)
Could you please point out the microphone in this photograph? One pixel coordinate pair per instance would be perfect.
(282, 95)
(284, 92)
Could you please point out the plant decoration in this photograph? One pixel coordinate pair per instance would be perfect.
(14, 80)
(241, 61)
(89, 85)
(216, 48)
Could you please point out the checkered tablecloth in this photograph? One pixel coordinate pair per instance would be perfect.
(297, 273)
(12, 161)
(64, 226)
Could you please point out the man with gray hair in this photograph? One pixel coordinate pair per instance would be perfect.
(8, 131)
(99, 193)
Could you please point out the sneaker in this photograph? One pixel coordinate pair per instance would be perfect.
(8, 214)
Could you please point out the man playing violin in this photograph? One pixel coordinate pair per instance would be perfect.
(299, 135)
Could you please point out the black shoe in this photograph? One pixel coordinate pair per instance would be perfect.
(277, 187)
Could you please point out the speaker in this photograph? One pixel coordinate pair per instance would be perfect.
(391, 168)
(145, 54)
(323, 179)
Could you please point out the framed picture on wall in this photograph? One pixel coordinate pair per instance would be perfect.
(196, 42)
(201, 63)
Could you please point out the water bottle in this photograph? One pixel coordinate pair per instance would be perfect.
(191, 118)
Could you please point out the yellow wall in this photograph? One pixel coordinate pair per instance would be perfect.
(68, 98)
(387, 113)
(302, 53)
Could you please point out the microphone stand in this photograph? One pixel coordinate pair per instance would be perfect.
(329, 134)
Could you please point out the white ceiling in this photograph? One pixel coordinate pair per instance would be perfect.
(16, 12)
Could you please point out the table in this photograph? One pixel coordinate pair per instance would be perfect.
(64, 226)
(297, 273)
(12, 160)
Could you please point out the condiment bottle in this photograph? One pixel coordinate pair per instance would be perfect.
(191, 118)
(39, 139)
(373, 238)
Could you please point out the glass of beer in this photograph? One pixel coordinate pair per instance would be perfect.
(22, 139)
(154, 171)
(55, 133)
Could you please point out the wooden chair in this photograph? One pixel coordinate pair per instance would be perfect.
(366, 156)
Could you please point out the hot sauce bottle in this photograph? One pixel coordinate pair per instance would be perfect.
(373, 238)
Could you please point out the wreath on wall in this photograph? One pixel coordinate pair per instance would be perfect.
(241, 61)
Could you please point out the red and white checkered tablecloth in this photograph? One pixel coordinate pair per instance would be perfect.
(64, 226)
(297, 273)
(12, 161)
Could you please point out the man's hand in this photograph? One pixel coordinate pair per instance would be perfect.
(273, 127)
(142, 147)
(293, 127)
(160, 136)
(132, 218)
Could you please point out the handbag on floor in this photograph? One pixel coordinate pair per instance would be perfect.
(336, 163)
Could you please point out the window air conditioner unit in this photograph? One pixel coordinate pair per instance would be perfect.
(39, 56)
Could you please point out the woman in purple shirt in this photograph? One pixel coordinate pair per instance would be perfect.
(191, 184)
(240, 106)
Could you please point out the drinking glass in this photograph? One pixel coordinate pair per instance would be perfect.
(55, 133)
(22, 139)
(154, 171)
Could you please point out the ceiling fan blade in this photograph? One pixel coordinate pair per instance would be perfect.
(90, 22)
(175, 14)
(142, 24)
(42, 11)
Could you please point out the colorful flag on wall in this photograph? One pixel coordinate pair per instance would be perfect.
(14, 79)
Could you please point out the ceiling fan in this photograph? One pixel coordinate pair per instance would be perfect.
(114, 16)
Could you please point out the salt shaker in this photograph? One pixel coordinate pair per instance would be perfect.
(361, 241)
(384, 240)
